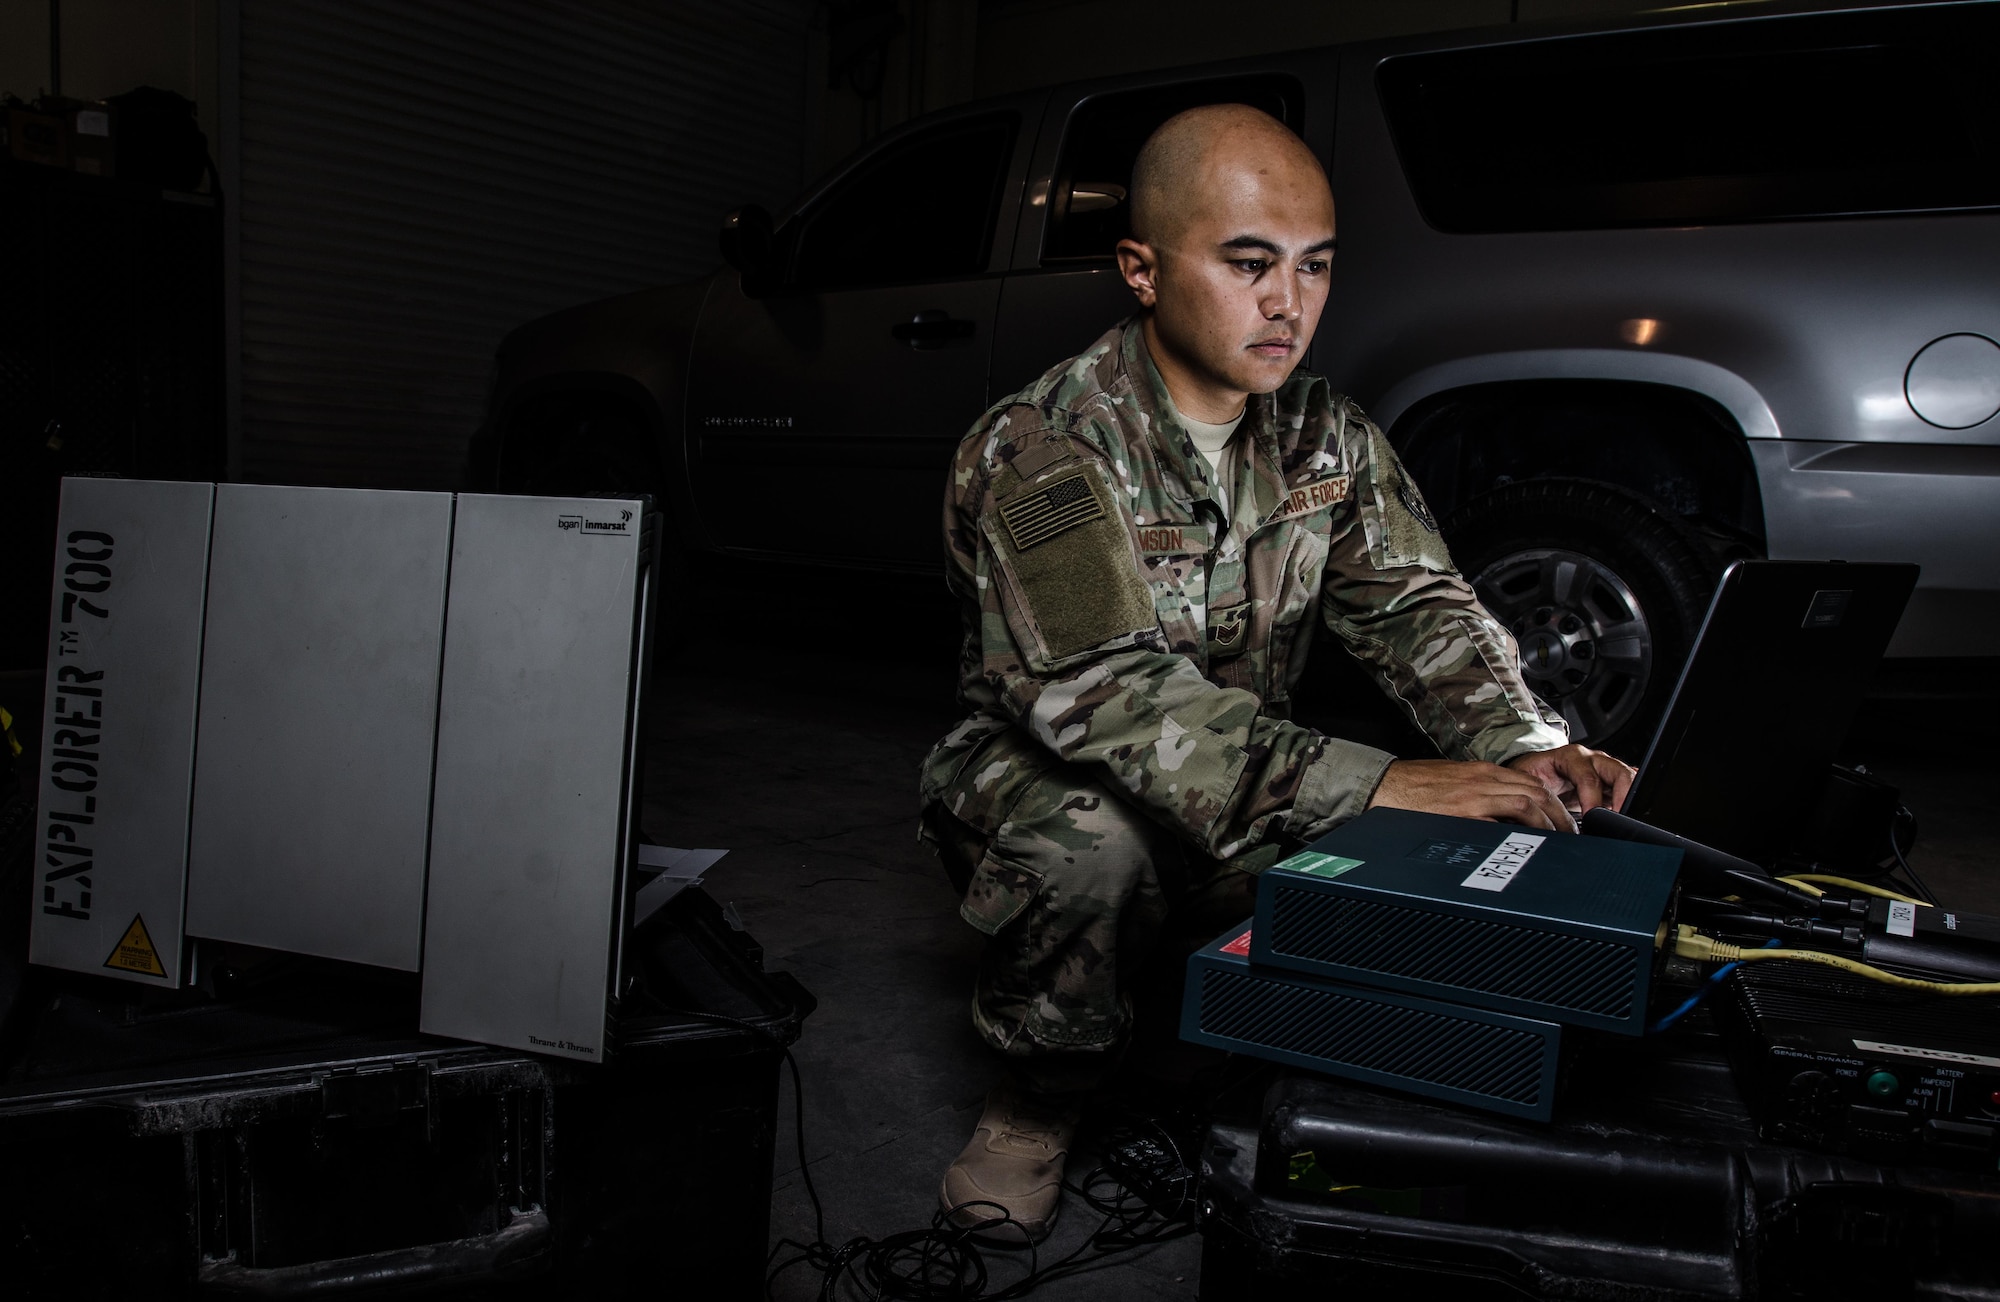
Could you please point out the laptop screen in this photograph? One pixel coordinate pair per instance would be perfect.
(1768, 693)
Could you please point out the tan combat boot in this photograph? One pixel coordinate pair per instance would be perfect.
(1015, 1160)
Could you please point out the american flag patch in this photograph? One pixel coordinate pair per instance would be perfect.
(1042, 515)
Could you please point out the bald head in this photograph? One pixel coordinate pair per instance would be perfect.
(1231, 255)
(1209, 156)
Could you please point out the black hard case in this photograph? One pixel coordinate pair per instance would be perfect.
(300, 1138)
(1652, 1184)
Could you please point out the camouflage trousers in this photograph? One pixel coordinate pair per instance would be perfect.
(1075, 891)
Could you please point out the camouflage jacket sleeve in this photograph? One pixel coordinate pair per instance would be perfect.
(1075, 655)
(1392, 595)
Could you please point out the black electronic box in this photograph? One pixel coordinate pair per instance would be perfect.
(1848, 1065)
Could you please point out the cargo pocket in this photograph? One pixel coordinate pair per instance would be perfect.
(998, 893)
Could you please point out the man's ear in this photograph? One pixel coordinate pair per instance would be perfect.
(1140, 265)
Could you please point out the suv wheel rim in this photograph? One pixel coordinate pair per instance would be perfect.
(1586, 647)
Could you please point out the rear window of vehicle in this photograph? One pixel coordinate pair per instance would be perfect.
(1088, 213)
(1833, 115)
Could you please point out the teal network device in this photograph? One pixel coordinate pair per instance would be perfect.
(1547, 925)
(1494, 1061)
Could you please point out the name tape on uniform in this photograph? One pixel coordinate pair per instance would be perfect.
(1175, 539)
(1307, 498)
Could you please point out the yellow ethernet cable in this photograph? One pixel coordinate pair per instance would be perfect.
(1689, 943)
(1803, 882)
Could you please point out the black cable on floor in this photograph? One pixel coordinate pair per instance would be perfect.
(1143, 1188)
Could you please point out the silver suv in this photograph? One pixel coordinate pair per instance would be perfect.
(1632, 302)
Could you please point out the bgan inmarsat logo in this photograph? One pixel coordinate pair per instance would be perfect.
(586, 524)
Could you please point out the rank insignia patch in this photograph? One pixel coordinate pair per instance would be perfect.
(1226, 628)
(1041, 515)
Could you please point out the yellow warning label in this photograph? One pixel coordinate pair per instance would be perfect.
(135, 953)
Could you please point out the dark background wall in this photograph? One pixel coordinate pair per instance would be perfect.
(415, 180)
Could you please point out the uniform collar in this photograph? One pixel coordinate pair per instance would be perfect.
(1175, 448)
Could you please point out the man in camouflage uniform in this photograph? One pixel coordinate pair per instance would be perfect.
(1140, 585)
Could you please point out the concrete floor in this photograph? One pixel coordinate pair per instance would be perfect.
(800, 755)
(790, 732)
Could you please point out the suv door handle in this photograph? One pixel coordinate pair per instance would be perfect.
(931, 328)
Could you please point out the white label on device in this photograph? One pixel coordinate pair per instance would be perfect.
(1902, 918)
(1936, 1055)
(1507, 859)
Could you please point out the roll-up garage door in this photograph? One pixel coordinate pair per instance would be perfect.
(417, 179)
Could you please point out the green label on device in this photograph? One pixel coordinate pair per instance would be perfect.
(1319, 865)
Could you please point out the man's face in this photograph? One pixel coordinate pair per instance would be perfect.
(1237, 285)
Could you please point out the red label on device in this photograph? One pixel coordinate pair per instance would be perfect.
(1239, 946)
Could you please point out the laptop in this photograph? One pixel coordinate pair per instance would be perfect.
(1769, 691)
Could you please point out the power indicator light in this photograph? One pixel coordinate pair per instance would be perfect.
(1883, 1084)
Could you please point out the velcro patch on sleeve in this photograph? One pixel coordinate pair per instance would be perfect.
(1036, 517)
(1071, 561)
(1304, 499)
(1404, 532)
(1031, 458)
(1409, 530)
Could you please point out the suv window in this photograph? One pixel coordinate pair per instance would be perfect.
(1087, 208)
(1878, 112)
(923, 209)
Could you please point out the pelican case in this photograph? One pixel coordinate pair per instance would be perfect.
(1651, 1184)
(286, 1131)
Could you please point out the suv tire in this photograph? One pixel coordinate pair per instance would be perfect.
(1603, 591)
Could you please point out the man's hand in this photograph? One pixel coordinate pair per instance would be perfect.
(1578, 776)
(1548, 788)
(1472, 789)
